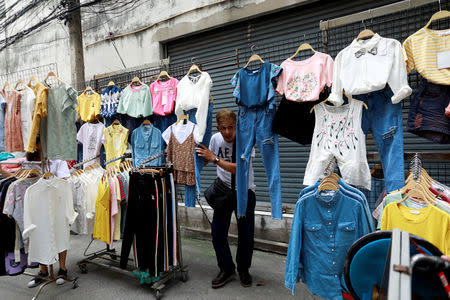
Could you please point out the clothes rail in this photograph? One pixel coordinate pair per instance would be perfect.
(126, 155)
(84, 162)
(21, 163)
(151, 158)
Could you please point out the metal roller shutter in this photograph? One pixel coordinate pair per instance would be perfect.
(276, 37)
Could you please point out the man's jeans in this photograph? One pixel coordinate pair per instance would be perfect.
(255, 124)
(246, 228)
(384, 119)
(190, 191)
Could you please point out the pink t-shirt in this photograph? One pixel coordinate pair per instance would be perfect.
(304, 80)
(164, 94)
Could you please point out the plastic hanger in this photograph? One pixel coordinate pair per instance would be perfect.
(302, 47)
(88, 89)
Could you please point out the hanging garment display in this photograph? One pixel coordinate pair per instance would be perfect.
(152, 198)
(255, 96)
(135, 101)
(164, 95)
(384, 119)
(116, 137)
(193, 92)
(181, 141)
(302, 84)
(102, 226)
(146, 141)
(58, 130)
(27, 103)
(368, 65)
(48, 212)
(304, 80)
(427, 116)
(91, 135)
(109, 102)
(40, 112)
(88, 106)
(13, 124)
(192, 191)
(338, 134)
(2, 123)
(7, 228)
(326, 223)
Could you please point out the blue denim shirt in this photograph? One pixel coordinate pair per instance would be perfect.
(350, 191)
(323, 229)
(146, 141)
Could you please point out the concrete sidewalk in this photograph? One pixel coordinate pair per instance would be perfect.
(100, 283)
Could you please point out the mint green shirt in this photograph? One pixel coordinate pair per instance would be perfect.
(58, 130)
(136, 101)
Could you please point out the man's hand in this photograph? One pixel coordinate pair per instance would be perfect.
(205, 153)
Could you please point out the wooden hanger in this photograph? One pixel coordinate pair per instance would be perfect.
(20, 81)
(116, 122)
(163, 73)
(182, 117)
(136, 80)
(50, 74)
(146, 122)
(442, 14)
(254, 57)
(365, 34)
(194, 67)
(329, 183)
(302, 47)
(34, 171)
(8, 84)
(47, 175)
(111, 83)
(33, 79)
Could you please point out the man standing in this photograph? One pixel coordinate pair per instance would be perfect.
(220, 153)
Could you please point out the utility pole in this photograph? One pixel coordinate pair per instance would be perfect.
(76, 46)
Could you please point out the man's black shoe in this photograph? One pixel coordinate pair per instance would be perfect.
(222, 279)
(246, 278)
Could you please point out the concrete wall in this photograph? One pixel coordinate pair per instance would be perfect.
(139, 33)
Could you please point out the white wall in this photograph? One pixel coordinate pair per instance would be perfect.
(165, 20)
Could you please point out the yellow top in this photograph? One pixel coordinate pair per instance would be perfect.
(421, 50)
(88, 106)
(429, 223)
(116, 137)
(102, 226)
(40, 112)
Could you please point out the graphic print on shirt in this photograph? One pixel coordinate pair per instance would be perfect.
(224, 153)
(338, 132)
(300, 87)
(92, 145)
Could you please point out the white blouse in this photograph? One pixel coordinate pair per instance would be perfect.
(194, 95)
(27, 103)
(366, 66)
(48, 213)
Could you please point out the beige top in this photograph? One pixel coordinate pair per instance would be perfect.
(182, 157)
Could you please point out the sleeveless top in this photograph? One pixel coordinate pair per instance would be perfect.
(181, 155)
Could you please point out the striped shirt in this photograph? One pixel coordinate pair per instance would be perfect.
(421, 49)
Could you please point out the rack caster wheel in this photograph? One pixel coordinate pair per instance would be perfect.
(74, 285)
(158, 294)
(83, 268)
(184, 275)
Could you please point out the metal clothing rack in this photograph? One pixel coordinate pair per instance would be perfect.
(112, 260)
(126, 155)
(151, 159)
(85, 162)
